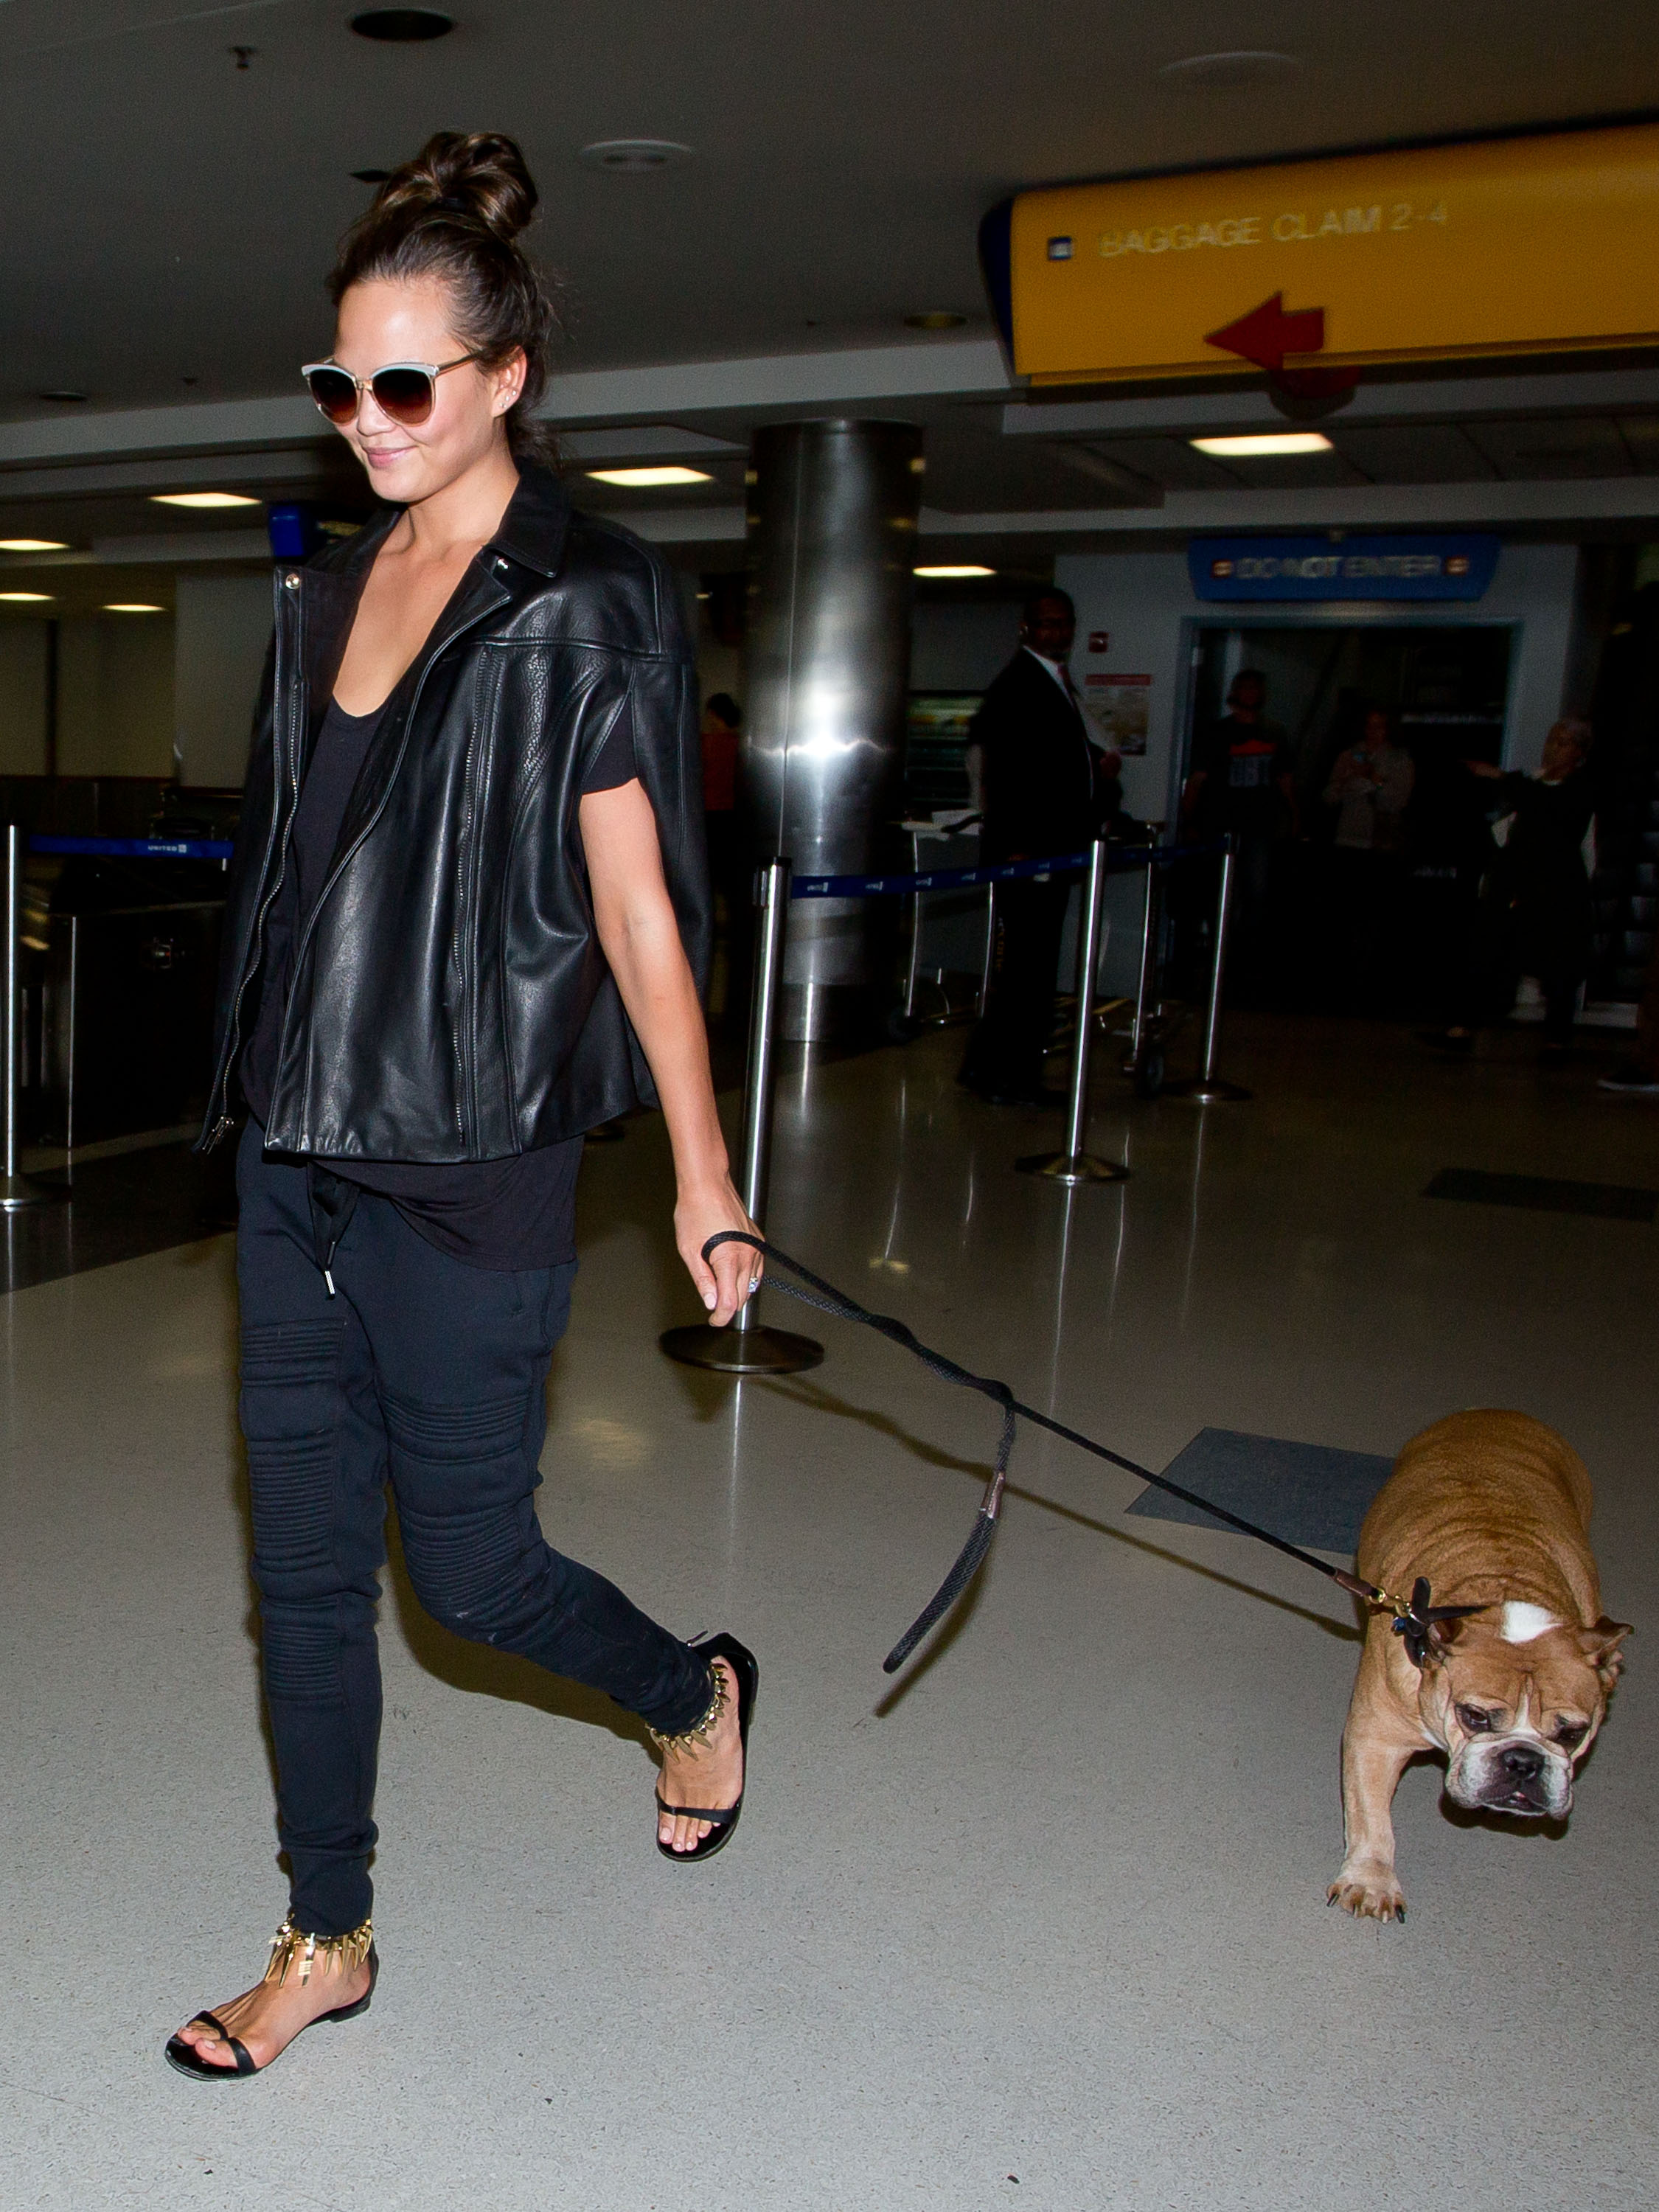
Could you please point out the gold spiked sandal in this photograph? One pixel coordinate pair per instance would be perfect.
(291, 1949)
(722, 1818)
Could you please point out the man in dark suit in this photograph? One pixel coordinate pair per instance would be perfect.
(1046, 788)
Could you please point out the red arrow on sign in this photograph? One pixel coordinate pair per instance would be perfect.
(1266, 334)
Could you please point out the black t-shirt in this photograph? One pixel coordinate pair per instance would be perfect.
(1241, 764)
(504, 1214)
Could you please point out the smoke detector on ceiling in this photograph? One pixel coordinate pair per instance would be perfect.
(635, 157)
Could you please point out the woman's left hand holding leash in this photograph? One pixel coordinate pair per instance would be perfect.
(724, 1280)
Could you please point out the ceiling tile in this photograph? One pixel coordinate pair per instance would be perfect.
(1552, 447)
(1641, 434)
(1412, 453)
(1170, 462)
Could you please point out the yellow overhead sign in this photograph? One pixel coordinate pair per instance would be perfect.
(1516, 245)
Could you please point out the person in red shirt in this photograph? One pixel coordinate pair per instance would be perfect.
(722, 721)
(1241, 783)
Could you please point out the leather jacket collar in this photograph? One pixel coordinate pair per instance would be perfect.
(531, 530)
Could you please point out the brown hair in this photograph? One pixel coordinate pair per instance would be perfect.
(455, 212)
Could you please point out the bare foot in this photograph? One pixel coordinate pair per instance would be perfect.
(705, 1774)
(266, 2019)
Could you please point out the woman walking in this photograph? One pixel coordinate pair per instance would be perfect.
(466, 919)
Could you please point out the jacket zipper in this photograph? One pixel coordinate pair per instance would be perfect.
(476, 774)
(345, 858)
(257, 936)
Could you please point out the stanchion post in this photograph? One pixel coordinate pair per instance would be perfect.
(990, 948)
(1074, 1164)
(17, 1190)
(1143, 981)
(747, 1346)
(755, 1162)
(1207, 1088)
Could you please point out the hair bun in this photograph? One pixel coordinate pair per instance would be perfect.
(479, 176)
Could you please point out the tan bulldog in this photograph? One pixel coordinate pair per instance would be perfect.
(1493, 1508)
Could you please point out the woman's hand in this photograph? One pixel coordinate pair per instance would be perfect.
(725, 1279)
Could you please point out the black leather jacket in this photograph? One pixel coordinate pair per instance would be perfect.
(449, 998)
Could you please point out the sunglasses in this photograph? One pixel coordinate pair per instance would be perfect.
(404, 391)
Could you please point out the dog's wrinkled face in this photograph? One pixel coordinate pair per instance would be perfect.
(1515, 1697)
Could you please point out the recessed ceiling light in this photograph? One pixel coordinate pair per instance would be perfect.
(936, 319)
(949, 571)
(131, 607)
(26, 599)
(65, 398)
(1265, 441)
(401, 26)
(649, 479)
(33, 545)
(634, 157)
(1244, 65)
(202, 499)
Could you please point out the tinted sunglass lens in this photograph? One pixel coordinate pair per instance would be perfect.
(405, 394)
(334, 393)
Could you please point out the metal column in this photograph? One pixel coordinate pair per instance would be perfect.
(833, 508)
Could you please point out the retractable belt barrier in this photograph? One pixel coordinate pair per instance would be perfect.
(1413, 1618)
(137, 848)
(1118, 859)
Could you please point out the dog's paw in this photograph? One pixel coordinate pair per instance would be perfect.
(1369, 1894)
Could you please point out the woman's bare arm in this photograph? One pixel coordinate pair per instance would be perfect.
(640, 940)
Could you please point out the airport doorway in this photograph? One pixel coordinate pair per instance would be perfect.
(1362, 900)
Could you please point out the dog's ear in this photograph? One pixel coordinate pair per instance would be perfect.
(1600, 1646)
(1443, 1635)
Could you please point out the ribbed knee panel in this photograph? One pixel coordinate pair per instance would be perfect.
(481, 1572)
(290, 1404)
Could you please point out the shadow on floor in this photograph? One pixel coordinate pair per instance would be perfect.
(118, 1209)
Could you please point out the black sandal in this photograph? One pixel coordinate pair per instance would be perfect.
(723, 1818)
(288, 1945)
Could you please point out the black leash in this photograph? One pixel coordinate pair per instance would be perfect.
(1412, 1620)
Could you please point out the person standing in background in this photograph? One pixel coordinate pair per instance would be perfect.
(1371, 786)
(1241, 783)
(1534, 915)
(1047, 788)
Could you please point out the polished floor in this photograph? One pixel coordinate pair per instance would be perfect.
(1044, 1926)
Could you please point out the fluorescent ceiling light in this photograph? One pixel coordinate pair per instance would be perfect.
(943, 572)
(203, 499)
(32, 598)
(1263, 442)
(131, 607)
(33, 545)
(649, 479)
